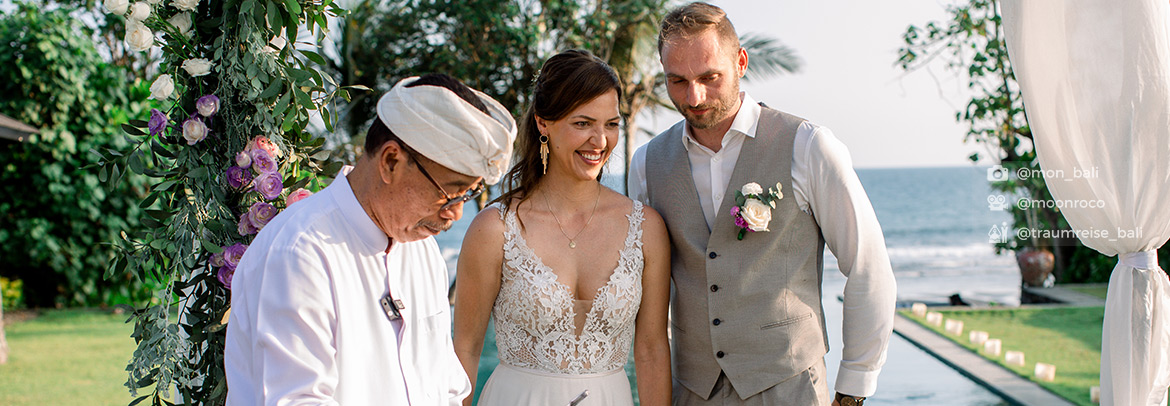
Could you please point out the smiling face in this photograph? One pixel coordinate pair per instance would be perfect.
(702, 78)
(581, 142)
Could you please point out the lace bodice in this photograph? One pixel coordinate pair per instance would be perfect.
(535, 314)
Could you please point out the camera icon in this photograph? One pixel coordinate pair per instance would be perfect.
(997, 173)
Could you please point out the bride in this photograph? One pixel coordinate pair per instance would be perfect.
(570, 270)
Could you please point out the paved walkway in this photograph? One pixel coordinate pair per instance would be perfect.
(1001, 381)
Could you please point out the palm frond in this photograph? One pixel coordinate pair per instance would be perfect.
(768, 57)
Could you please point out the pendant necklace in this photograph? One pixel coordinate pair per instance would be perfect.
(573, 239)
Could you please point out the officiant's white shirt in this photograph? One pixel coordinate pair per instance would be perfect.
(306, 327)
(825, 186)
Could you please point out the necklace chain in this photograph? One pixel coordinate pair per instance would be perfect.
(573, 239)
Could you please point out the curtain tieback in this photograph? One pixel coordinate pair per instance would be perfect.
(1140, 260)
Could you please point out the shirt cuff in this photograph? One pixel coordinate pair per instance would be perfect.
(857, 383)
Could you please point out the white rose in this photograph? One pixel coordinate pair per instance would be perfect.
(162, 87)
(116, 7)
(756, 214)
(194, 130)
(139, 11)
(197, 66)
(752, 189)
(154, 1)
(185, 5)
(138, 37)
(182, 22)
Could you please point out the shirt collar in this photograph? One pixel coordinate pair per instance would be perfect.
(746, 121)
(372, 238)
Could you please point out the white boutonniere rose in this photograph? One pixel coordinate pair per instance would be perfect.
(753, 207)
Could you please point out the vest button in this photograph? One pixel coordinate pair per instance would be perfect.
(712, 255)
(719, 354)
(716, 322)
(714, 288)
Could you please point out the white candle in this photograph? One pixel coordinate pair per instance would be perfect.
(1045, 372)
(955, 327)
(934, 318)
(918, 309)
(978, 337)
(1095, 394)
(993, 346)
(1015, 358)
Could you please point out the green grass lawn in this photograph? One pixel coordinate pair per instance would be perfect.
(67, 357)
(1069, 338)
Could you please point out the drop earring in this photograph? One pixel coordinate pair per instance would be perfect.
(544, 153)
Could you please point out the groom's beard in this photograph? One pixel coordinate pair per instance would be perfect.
(719, 110)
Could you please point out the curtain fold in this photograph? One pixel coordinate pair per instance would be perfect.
(1095, 77)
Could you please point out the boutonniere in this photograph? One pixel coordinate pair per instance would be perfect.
(753, 207)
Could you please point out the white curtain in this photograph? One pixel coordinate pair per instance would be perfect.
(1095, 75)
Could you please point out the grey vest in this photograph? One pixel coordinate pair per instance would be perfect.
(751, 307)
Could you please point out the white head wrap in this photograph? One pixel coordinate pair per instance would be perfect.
(442, 126)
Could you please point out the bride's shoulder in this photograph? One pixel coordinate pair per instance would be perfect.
(489, 221)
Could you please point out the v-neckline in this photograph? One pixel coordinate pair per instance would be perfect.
(556, 279)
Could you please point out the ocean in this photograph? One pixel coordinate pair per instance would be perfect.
(936, 224)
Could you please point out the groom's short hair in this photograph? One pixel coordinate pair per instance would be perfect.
(379, 133)
(696, 18)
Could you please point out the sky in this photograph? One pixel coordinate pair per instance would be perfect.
(850, 84)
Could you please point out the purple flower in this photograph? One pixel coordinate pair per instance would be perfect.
(245, 226)
(225, 277)
(232, 255)
(237, 177)
(262, 162)
(217, 260)
(243, 160)
(739, 221)
(260, 214)
(207, 105)
(158, 122)
(270, 184)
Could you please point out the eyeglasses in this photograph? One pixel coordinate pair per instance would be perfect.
(472, 193)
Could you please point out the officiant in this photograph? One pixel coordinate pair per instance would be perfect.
(342, 298)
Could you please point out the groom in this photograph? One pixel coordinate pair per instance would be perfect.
(748, 326)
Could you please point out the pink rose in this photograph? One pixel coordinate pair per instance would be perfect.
(262, 142)
(298, 195)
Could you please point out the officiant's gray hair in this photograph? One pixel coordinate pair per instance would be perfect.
(697, 18)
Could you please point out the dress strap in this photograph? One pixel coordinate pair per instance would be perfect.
(634, 235)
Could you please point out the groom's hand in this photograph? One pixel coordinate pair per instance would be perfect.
(846, 400)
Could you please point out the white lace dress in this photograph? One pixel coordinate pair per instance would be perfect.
(543, 361)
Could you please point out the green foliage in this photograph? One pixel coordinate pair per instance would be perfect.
(55, 218)
(267, 93)
(11, 293)
(971, 43)
(499, 46)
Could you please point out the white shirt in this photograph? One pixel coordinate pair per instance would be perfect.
(825, 186)
(306, 326)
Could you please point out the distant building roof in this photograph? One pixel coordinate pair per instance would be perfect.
(15, 130)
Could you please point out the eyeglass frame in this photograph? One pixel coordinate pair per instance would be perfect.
(472, 193)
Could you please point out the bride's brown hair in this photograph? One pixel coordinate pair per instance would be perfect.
(566, 81)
